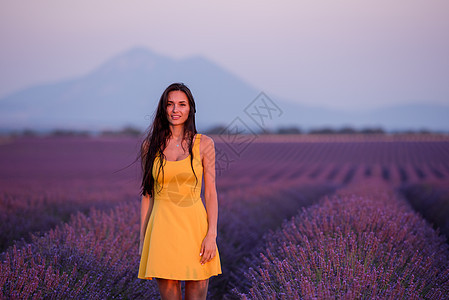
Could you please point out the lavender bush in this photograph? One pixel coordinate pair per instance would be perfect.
(101, 256)
(363, 243)
(99, 252)
(38, 208)
(43, 181)
(27, 275)
(245, 215)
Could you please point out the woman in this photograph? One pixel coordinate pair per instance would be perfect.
(177, 235)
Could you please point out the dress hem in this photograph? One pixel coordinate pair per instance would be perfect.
(151, 278)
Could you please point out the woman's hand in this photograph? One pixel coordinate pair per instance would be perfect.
(208, 248)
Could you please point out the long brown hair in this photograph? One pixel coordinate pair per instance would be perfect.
(158, 134)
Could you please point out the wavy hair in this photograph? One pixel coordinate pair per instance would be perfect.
(158, 135)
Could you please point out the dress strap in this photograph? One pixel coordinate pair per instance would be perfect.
(196, 144)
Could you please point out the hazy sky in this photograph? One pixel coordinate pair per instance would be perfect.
(349, 54)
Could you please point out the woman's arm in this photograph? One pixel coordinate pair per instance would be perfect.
(146, 207)
(208, 247)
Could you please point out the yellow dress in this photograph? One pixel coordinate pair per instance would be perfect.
(178, 224)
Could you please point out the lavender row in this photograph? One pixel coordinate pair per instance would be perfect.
(395, 161)
(44, 181)
(432, 202)
(37, 207)
(245, 215)
(95, 256)
(363, 243)
(322, 151)
(91, 257)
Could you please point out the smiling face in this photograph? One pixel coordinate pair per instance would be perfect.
(178, 107)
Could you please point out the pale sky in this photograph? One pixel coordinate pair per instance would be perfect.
(348, 54)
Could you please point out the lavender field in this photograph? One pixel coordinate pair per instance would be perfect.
(300, 217)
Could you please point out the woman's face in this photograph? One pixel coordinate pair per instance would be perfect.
(178, 107)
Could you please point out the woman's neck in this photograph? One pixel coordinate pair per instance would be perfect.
(177, 132)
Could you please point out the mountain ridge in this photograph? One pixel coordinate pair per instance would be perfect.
(124, 90)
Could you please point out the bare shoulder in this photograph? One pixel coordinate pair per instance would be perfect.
(206, 140)
(206, 144)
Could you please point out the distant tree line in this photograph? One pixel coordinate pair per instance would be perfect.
(130, 130)
(323, 130)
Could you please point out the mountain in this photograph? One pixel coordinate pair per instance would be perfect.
(126, 89)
